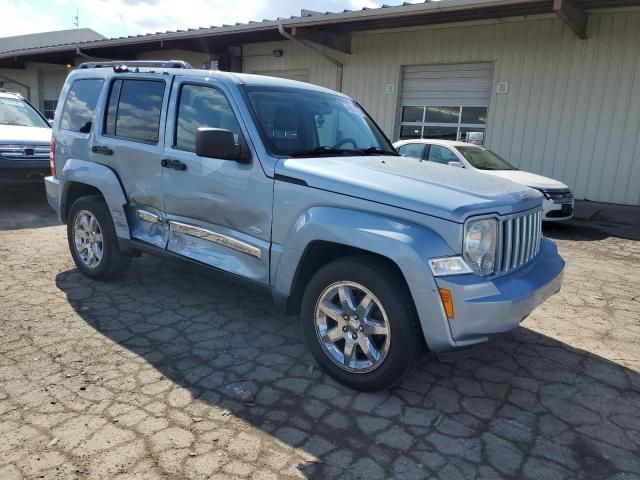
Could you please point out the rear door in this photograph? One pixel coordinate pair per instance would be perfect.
(131, 141)
(219, 211)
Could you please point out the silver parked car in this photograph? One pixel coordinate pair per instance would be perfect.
(24, 141)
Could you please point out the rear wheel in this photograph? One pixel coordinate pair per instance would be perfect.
(92, 240)
(360, 324)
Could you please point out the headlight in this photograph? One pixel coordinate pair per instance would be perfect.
(544, 193)
(479, 249)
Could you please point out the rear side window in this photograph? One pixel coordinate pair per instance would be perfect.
(80, 105)
(133, 110)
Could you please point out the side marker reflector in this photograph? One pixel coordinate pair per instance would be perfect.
(447, 301)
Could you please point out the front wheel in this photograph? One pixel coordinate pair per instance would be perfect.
(360, 324)
(92, 240)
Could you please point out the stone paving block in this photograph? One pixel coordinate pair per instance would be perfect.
(168, 373)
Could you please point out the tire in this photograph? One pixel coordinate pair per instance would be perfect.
(112, 262)
(397, 348)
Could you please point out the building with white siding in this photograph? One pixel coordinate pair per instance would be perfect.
(551, 85)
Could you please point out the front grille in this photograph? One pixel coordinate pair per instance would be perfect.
(25, 152)
(559, 196)
(520, 237)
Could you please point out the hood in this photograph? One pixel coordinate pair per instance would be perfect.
(424, 187)
(15, 134)
(529, 179)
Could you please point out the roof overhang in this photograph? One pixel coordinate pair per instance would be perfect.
(331, 29)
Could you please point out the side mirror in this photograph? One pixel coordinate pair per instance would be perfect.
(218, 143)
(456, 164)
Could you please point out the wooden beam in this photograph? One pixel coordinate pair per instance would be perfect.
(572, 15)
(336, 40)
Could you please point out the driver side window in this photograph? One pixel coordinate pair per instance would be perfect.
(440, 154)
(202, 106)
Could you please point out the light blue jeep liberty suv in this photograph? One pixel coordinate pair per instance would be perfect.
(294, 188)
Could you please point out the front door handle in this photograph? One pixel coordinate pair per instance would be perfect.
(175, 164)
(102, 150)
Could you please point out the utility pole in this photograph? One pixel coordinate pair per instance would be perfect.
(77, 20)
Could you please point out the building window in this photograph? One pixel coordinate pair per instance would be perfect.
(49, 109)
(466, 124)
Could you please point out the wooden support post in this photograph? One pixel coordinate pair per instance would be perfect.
(572, 15)
(336, 40)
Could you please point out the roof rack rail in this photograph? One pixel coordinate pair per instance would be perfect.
(124, 65)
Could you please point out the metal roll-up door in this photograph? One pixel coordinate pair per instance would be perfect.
(52, 83)
(448, 101)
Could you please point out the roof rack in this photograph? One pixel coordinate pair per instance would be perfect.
(123, 65)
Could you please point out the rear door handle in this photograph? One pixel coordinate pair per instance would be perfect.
(175, 164)
(102, 150)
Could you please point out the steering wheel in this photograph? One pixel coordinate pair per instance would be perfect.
(344, 141)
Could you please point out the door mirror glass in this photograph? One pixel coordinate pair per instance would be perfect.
(217, 143)
(456, 164)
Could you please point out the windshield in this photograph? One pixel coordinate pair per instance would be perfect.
(14, 111)
(483, 159)
(298, 123)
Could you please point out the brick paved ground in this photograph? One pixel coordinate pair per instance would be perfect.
(169, 373)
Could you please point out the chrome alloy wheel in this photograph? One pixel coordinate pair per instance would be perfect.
(352, 327)
(87, 238)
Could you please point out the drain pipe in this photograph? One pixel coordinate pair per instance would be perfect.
(339, 65)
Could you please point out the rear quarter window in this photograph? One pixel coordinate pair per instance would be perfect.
(80, 105)
(133, 110)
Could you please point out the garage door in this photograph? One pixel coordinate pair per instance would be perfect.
(446, 101)
(52, 83)
(300, 75)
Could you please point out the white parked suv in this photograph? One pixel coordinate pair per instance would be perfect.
(558, 203)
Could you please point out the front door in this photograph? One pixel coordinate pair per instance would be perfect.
(218, 211)
(130, 142)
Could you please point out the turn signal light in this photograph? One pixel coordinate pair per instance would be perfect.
(447, 301)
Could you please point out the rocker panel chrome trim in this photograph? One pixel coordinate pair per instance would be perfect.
(148, 216)
(218, 238)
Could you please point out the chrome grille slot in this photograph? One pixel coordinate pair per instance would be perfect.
(520, 237)
(25, 152)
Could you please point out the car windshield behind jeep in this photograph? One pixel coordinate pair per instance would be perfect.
(484, 159)
(306, 123)
(14, 111)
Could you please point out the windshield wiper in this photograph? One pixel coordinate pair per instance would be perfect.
(379, 151)
(324, 151)
(342, 151)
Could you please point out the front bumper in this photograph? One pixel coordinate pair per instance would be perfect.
(487, 307)
(556, 211)
(23, 171)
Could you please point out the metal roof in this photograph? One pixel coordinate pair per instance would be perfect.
(208, 39)
(45, 39)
